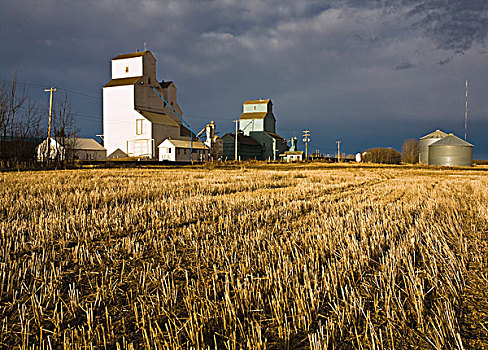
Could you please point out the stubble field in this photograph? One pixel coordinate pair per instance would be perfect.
(252, 258)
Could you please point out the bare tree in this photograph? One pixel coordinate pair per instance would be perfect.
(410, 151)
(30, 127)
(12, 101)
(16, 100)
(20, 124)
(27, 131)
(3, 116)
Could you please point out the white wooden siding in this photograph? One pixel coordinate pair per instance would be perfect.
(126, 68)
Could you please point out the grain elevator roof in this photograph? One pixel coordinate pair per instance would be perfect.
(253, 115)
(130, 55)
(253, 102)
(122, 81)
(274, 135)
(158, 118)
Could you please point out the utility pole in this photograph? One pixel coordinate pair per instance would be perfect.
(51, 90)
(466, 113)
(235, 145)
(338, 151)
(306, 140)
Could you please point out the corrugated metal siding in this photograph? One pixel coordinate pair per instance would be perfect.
(451, 155)
(424, 149)
(245, 151)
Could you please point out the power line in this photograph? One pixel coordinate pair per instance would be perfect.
(83, 95)
(69, 91)
(94, 117)
(22, 83)
(60, 89)
(78, 93)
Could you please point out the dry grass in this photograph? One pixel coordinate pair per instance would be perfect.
(334, 258)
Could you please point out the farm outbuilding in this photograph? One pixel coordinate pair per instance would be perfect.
(451, 151)
(247, 147)
(183, 151)
(71, 148)
(118, 153)
(426, 141)
(293, 155)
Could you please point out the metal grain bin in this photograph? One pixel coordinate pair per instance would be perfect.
(451, 151)
(426, 141)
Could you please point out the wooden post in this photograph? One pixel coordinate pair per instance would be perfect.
(51, 90)
(338, 151)
(235, 146)
(306, 140)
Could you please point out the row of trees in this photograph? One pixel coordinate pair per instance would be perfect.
(23, 121)
(410, 154)
(382, 156)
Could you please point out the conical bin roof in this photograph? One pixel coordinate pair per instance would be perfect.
(451, 140)
(438, 134)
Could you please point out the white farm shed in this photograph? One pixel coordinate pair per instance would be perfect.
(180, 151)
(71, 148)
(292, 156)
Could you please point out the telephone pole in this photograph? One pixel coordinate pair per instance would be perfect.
(51, 90)
(306, 140)
(466, 113)
(338, 151)
(235, 145)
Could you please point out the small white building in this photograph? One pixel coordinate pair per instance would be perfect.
(181, 151)
(135, 118)
(71, 148)
(292, 156)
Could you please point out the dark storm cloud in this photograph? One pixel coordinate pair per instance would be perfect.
(444, 61)
(371, 65)
(454, 24)
(404, 65)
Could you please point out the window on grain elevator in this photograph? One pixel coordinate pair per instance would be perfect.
(139, 126)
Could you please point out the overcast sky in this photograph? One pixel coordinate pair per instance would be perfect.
(367, 72)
